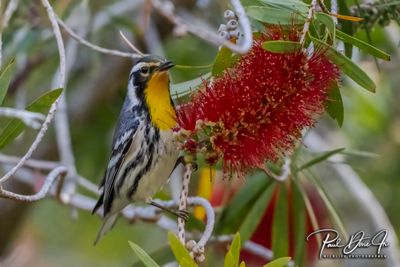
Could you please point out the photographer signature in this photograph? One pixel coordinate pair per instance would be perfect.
(332, 240)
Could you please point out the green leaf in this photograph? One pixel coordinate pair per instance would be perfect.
(162, 255)
(236, 211)
(143, 256)
(329, 204)
(299, 224)
(360, 153)
(321, 157)
(281, 262)
(235, 249)
(257, 209)
(372, 50)
(291, 5)
(350, 68)
(334, 105)
(5, 78)
(242, 264)
(182, 89)
(281, 46)
(274, 15)
(222, 61)
(181, 254)
(15, 127)
(328, 22)
(347, 27)
(280, 227)
(229, 261)
(309, 207)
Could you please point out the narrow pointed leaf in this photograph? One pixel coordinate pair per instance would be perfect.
(328, 22)
(281, 46)
(350, 68)
(274, 15)
(373, 51)
(280, 262)
(143, 256)
(236, 211)
(299, 224)
(291, 5)
(329, 204)
(162, 256)
(15, 127)
(183, 89)
(349, 18)
(229, 261)
(321, 157)
(334, 105)
(257, 209)
(222, 61)
(181, 254)
(347, 25)
(235, 248)
(5, 78)
(280, 227)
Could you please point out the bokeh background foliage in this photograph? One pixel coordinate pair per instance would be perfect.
(45, 233)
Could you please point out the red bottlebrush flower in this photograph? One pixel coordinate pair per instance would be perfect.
(255, 110)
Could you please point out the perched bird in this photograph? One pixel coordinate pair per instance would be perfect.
(143, 154)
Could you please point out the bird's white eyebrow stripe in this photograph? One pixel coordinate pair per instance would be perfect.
(143, 64)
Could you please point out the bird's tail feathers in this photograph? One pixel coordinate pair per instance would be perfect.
(108, 224)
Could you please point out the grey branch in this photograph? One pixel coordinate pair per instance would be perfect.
(306, 26)
(31, 163)
(31, 119)
(93, 46)
(51, 178)
(53, 107)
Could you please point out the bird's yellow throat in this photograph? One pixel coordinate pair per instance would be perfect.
(158, 101)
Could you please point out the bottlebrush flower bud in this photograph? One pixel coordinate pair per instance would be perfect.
(255, 111)
(229, 14)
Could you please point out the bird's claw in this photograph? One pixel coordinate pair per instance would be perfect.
(183, 214)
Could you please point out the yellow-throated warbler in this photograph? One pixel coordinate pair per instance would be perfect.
(143, 154)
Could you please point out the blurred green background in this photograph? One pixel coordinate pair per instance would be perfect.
(47, 235)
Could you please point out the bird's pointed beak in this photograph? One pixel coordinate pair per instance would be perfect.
(165, 66)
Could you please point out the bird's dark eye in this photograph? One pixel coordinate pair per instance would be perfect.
(144, 70)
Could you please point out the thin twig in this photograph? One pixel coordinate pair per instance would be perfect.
(34, 145)
(285, 171)
(199, 201)
(196, 201)
(96, 47)
(31, 119)
(63, 136)
(308, 21)
(151, 214)
(334, 10)
(166, 8)
(183, 201)
(51, 178)
(53, 107)
(134, 48)
(30, 163)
